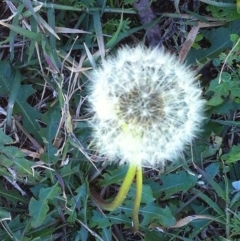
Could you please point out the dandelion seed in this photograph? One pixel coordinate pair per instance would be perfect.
(146, 104)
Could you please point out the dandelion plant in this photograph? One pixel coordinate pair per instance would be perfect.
(147, 106)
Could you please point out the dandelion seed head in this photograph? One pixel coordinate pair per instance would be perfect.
(147, 106)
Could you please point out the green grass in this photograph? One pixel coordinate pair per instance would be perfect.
(46, 166)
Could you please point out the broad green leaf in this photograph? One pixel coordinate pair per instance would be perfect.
(48, 193)
(233, 155)
(99, 220)
(215, 100)
(76, 203)
(6, 161)
(38, 211)
(12, 195)
(218, 44)
(212, 169)
(4, 139)
(114, 176)
(224, 13)
(6, 78)
(120, 218)
(12, 226)
(12, 157)
(20, 236)
(106, 234)
(151, 235)
(147, 194)
(152, 213)
(82, 234)
(35, 190)
(13, 152)
(227, 87)
(224, 108)
(4, 215)
(29, 114)
(69, 170)
(23, 167)
(51, 119)
(172, 183)
(38, 208)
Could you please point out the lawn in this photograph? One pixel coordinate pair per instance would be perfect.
(119, 120)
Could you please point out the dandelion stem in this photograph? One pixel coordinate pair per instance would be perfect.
(137, 199)
(123, 191)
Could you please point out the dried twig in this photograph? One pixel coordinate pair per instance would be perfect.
(147, 15)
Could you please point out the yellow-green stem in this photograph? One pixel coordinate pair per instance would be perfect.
(138, 197)
(123, 191)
